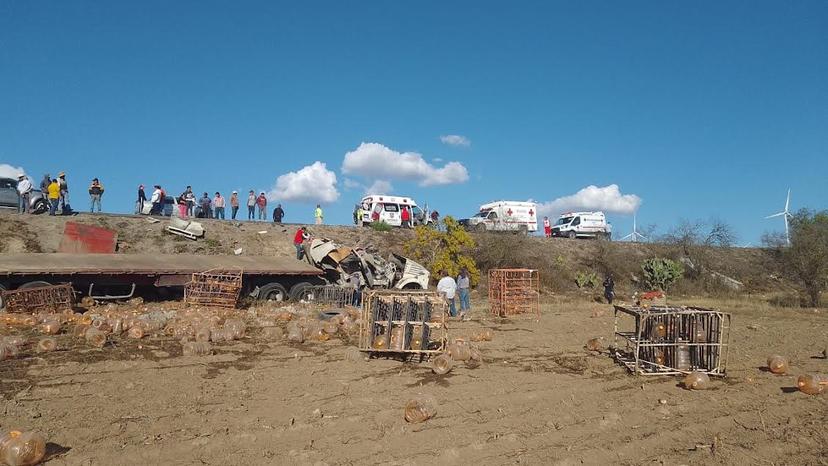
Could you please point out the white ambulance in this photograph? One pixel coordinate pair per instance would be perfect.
(582, 225)
(388, 209)
(515, 216)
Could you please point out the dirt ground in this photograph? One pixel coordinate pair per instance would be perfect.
(539, 398)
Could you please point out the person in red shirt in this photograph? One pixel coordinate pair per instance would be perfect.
(405, 216)
(298, 240)
(261, 201)
(547, 227)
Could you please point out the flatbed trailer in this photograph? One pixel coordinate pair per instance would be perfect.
(114, 276)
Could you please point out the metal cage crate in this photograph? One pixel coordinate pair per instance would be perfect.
(514, 291)
(214, 287)
(403, 322)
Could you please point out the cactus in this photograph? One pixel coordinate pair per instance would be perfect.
(660, 273)
(586, 279)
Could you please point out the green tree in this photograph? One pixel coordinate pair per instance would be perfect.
(807, 257)
(448, 250)
(661, 273)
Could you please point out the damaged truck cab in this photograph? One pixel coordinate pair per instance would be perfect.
(338, 263)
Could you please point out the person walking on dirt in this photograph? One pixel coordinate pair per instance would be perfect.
(355, 280)
(189, 196)
(261, 201)
(218, 204)
(251, 205)
(142, 198)
(405, 217)
(609, 288)
(278, 214)
(318, 214)
(54, 196)
(96, 191)
(463, 289)
(24, 188)
(234, 204)
(298, 240)
(448, 287)
(547, 227)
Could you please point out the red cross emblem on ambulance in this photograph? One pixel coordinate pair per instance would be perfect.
(531, 212)
(509, 212)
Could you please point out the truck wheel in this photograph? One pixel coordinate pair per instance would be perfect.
(480, 227)
(273, 292)
(40, 207)
(572, 235)
(412, 286)
(523, 230)
(35, 284)
(300, 291)
(2, 301)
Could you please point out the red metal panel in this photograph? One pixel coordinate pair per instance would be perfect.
(86, 239)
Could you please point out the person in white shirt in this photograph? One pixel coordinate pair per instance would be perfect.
(447, 287)
(156, 201)
(24, 188)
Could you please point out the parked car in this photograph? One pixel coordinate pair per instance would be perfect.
(10, 198)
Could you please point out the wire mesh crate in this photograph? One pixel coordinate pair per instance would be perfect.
(665, 340)
(403, 322)
(214, 287)
(331, 295)
(42, 299)
(514, 291)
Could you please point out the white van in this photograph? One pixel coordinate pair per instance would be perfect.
(582, 225)
(504, 216)
(385, 208)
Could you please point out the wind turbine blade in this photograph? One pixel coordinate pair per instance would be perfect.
(788, 200)
(777, 215)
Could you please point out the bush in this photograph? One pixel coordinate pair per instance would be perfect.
(380, 226)
(806, 258)
(449, 250)
(586, 279)
(660, 273)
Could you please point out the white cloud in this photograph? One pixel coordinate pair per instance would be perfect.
(373, 160)
(379, 187)
(9, 171)
(313, 183)
(437, 160)
(608, 199)
(351, 183)
(455, 140)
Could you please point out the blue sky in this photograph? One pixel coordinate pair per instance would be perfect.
(700, 109)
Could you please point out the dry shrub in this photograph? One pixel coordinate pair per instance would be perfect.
(500, 251)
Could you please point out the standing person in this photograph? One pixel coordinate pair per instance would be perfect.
(218, 204)
(189, 196)
(96, 191)
(64, 194)
(318, 214)
(182, 206)
(156, 199)
(54, 196)
(205, 204)
(44, 184)
(278, 214)
(463, 285)
(609, 288)
(405, 216)
(24, 188)
(547, 227)
(298, 239)
(435, 219)
(142, 198)
(448, 287)
(261, 201)
(251, 205)
(355, 280)
(234, 204)
(359, 215)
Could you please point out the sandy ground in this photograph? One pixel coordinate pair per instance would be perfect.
(539, 398)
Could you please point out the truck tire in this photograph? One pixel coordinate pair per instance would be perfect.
(523, 230)
(412, 286)
(40, 207)
(34, 284)
(273, 292)
(480, 227)
(300, 291)
(2, 301)
(572, 235)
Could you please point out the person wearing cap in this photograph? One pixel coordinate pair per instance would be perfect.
(64, 193)
(96, 191)
(218, 205)
(261, 201)
(234, 204)
(24, 188)
(142, 198)
(278, 214)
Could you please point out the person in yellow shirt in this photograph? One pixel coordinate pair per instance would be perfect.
(318, 214)
(54, 196)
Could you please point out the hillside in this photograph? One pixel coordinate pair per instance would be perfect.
(559, 260)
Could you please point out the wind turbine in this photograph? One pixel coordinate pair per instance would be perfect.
(786, 214)
(635, 234)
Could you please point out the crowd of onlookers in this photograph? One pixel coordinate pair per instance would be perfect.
(55, 192)
(190, 205)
